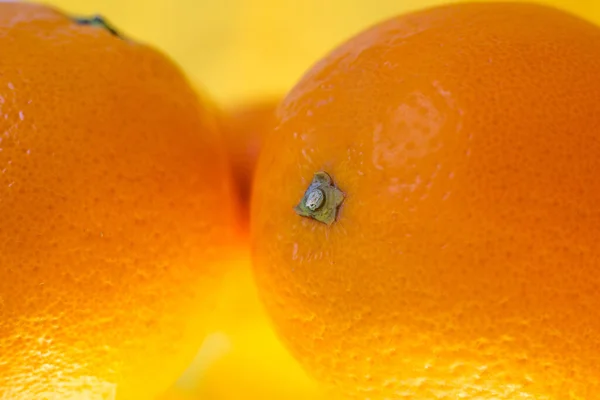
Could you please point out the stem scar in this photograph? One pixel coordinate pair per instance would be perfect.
(321, 200)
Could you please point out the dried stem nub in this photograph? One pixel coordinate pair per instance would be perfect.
(321, 200)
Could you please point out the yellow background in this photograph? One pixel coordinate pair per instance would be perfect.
(240, 50)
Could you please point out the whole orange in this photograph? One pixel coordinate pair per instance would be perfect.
(245, 127)
(462, 143)
(116, 211)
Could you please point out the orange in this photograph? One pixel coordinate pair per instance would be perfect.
(245, 127)
(116, 211)
(462, 142)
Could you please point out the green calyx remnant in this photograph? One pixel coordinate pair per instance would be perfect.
(100, 22)
(321, 200)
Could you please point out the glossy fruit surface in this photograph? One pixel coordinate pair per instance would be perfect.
(463, 260)
(116, 211)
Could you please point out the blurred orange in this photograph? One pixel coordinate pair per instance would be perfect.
(244, 128)
(243, 359)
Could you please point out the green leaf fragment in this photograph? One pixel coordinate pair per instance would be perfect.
(98, 21)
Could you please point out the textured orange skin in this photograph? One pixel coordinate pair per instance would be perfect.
(115, 209)
(464, 263)
(245, 127)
